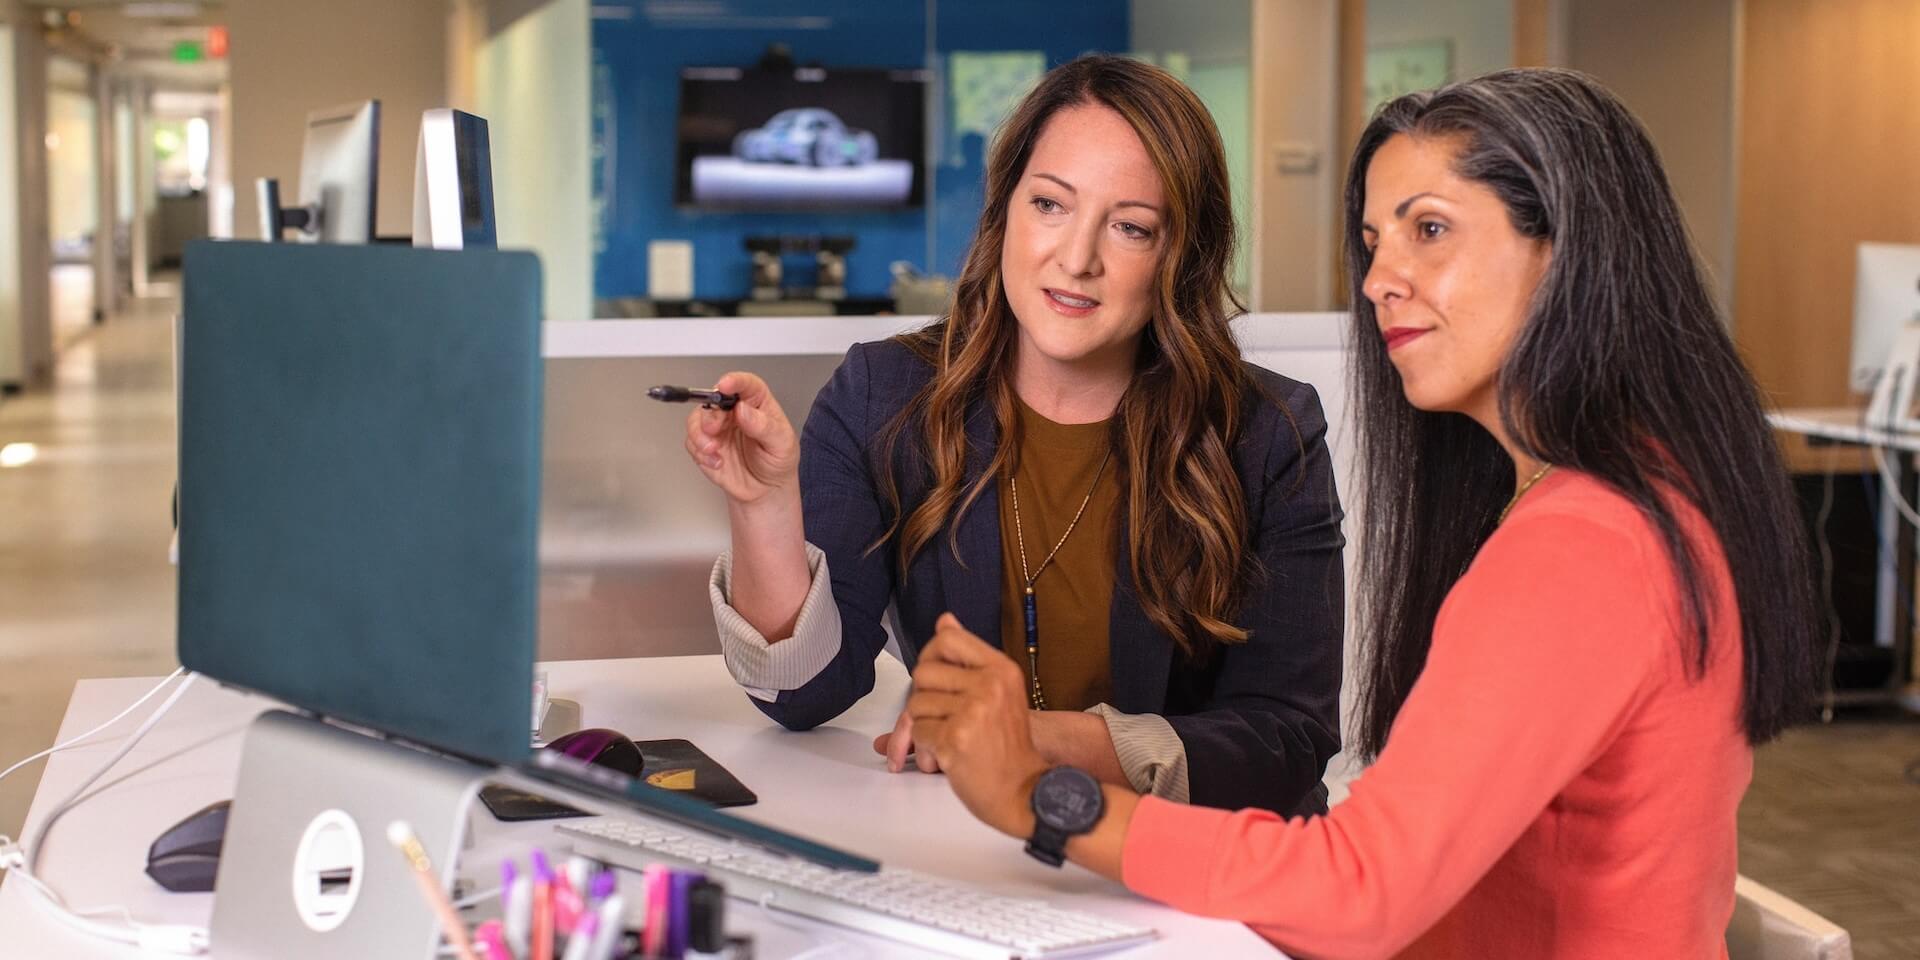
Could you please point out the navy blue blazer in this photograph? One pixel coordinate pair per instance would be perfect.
(1259, 719)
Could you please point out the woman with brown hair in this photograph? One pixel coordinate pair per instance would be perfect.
(1076, 463)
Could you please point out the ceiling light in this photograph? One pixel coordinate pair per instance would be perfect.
(161, 9)
(18, 454)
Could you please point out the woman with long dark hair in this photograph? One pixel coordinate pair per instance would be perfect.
(1076, 462)
(1585, 596)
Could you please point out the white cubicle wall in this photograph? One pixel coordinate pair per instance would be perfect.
(630, 528)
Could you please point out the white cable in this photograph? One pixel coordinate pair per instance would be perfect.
(76, 741)
(475, 899)
(22, 859)
(1892, 481)
(39, 835)
(1826, 591)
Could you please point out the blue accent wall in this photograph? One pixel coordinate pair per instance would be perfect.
(640, 46)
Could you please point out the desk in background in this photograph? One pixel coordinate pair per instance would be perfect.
(1892, 620)
(826, 783)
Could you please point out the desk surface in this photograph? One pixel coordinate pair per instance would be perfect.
(826, 783)
(1844, 424)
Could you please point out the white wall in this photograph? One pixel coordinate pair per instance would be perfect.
(531, 83)
(12, 363)
(290, 57)
(1296, 153)
(1481, 31)
(26, 323)
(1646, 51)
(71, 170)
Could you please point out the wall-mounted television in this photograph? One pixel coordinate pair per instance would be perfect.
(808, 138)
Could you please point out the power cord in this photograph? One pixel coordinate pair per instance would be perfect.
(1826, 589)
(22, 859)
(1888, 477)
(1899, 498)
(76, 741)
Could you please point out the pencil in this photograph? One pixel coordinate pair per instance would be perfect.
(400, 834)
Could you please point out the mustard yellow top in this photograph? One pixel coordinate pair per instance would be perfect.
(1057, 465)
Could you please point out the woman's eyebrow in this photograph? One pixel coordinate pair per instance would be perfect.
(1401, 210)
(1124, 203)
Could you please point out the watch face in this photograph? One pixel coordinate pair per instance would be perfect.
(1068, 800)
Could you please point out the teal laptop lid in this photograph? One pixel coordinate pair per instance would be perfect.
(359, 484)
(360, 500)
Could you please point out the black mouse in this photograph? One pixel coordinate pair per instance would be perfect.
(602, 747)
(186, 857)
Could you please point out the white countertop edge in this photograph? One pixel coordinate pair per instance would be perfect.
(804, 336)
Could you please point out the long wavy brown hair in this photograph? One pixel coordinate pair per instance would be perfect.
(1186, 514)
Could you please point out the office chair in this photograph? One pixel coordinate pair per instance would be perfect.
(1768, 926)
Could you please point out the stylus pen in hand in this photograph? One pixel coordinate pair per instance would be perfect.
(400, 834)
(707, 398)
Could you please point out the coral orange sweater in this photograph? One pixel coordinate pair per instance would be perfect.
(1556, 787)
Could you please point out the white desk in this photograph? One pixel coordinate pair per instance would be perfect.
(1892, 626)
(1843, 424)
(827, 784)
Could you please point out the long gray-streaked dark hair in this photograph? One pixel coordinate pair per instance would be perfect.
(1622, 370)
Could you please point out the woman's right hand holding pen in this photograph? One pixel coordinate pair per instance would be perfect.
(753, 455)
(750, 452)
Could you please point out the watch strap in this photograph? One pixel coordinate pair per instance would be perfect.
(1048, 845)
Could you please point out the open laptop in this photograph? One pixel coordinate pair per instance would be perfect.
(360, 457)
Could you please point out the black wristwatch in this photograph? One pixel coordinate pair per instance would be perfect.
(1067, 802)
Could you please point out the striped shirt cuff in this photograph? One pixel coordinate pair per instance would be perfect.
(764, 668)
(1151, 753)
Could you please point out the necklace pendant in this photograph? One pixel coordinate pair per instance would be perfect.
(1035, 698)
(1032, 611)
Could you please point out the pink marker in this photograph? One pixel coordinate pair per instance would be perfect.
(493, 941)
(567, 905)
(654, 937)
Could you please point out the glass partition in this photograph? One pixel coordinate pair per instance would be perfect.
(683, 154)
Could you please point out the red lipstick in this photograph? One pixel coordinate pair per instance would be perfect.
(1398, 337)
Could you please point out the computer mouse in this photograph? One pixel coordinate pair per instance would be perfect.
(186, 857)
(603, 747)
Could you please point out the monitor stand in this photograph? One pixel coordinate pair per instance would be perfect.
(307, 870)
(1892, 406)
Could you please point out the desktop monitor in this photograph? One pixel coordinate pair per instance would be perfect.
(453, 183)
(1886, 297)
(339, 164)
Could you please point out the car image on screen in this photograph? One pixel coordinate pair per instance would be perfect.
(809, 136)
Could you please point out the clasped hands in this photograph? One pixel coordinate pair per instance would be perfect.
(968, 716)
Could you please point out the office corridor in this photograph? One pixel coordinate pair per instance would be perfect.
(85, 587)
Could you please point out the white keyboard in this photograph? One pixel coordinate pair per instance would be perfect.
(897, 904)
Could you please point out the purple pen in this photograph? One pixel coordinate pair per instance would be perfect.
(604, 883)
(516, 905)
